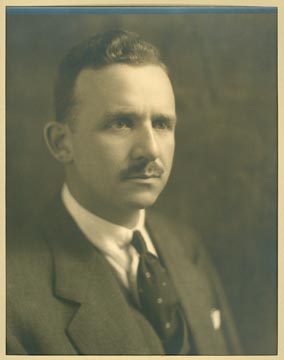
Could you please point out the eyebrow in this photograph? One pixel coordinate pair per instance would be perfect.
(111, 115)
(168, 117)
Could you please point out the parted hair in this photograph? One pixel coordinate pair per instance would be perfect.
(115, 46)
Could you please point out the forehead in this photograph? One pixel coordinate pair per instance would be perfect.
(125, 85)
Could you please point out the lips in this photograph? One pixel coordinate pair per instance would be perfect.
(144, 176)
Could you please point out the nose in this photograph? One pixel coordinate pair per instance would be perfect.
(146, 144)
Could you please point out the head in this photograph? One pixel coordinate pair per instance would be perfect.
(115, 122)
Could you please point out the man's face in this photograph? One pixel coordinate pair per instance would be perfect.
(123, 141)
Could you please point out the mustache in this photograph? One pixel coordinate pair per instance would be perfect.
(143, 169)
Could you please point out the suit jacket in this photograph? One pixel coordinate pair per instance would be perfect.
(63, 297)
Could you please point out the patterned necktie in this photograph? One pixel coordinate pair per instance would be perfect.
(158, 299)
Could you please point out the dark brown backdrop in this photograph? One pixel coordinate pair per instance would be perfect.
(224, 180)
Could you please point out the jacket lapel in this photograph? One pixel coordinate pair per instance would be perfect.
(191, 285)
(104, 322)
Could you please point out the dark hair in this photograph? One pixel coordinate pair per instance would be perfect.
(115, 46)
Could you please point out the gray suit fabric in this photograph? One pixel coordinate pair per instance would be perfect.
(63, 297)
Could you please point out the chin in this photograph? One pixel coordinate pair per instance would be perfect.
(142, 201)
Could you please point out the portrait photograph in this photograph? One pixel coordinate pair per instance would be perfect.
(141, 180)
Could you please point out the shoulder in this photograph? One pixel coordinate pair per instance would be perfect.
(29, 266)
(28, 259)
(183, 235)
(29, 245)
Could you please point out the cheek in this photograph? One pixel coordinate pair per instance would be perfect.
(84, 155)
(104, 159)
(114, 150)
(168, 149)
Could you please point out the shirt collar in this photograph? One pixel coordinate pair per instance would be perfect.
(103, 234)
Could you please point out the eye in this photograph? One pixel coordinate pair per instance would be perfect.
(122, 123)
(162, 124)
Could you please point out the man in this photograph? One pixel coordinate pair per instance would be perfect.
(96, 275)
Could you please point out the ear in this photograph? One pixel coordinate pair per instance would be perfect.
(58, 138)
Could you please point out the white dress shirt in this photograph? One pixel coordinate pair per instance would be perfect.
(111, 239)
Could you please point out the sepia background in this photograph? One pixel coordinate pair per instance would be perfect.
(224, 181)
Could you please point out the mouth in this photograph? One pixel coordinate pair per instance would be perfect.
(143, 176)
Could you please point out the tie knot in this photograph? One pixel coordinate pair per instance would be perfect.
(139, 243)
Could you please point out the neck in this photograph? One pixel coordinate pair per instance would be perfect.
(127, 220)
(127, 217)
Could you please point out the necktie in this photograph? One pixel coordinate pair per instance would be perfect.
(158, 299)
